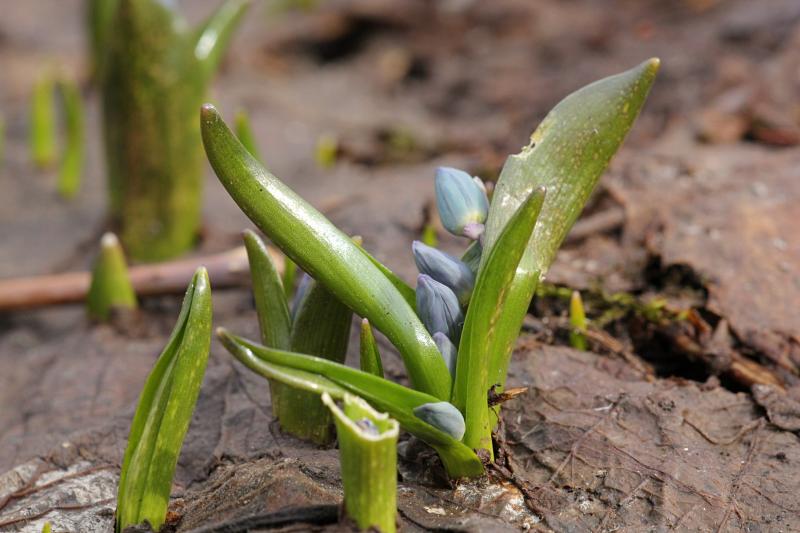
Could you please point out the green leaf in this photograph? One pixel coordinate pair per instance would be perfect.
(487, 321)
(325, 252)
(384, 395)
(212, 37)
(69, 176)
(568, 152)
(164, 412)
(271, 307)
(298, 379)
(370, 355)
(111, 286)
(368, 456)
(408, 293)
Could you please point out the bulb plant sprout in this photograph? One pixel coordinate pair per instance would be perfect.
(154, 71)
(165, 409)
(318, 324)
(456, 331)
(111, 287)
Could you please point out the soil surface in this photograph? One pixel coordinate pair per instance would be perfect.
(685, 413)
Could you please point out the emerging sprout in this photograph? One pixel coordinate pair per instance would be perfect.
(462, 204)
(111, 285)
(577, 321)
(445, 269)
(164, 412)
(438, 307)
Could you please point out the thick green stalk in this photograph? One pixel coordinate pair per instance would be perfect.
(487, 321)
(325, 252)
(43, 123)
(154, 75)
(369, 354)
(111, 286)
(322, 328)
(567, 154)
(69, 177)
(368, 458)
(164, 412)
(577, 321)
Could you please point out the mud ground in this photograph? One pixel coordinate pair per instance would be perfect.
(683, 416)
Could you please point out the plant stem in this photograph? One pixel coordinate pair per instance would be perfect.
(368, 456)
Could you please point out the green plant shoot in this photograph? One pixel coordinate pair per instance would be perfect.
(43, 123)
(577, 322)
(154, 72)
(110, 287)
(164, 412)
(325, 252)
(69, 176)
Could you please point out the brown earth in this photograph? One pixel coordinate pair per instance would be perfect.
(667, 424)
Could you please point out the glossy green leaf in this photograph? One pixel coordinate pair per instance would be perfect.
(406, 290)
(111, 286)
(164, 412)
(382, 394)
(292, 377)
(271, 307)
(567, 154)
(325, 252)
(43, 122)
(370, 356)
(69, 176)
(368, 457)
(487, 321)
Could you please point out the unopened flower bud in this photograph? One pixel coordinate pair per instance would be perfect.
(445, 269)
(438, 307)
(448, 350)
(461, 202)
(443, 416)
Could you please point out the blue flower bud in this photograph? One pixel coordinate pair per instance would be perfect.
(448, 350)
(461, 202)
(438, 307)
(443, 416)
(445, 269)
